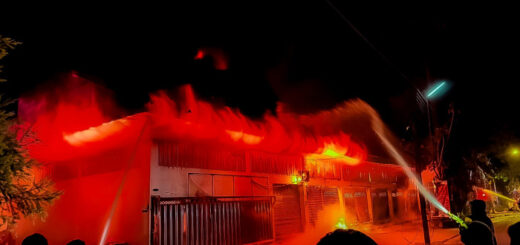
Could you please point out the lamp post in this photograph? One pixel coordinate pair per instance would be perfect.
(435, 91)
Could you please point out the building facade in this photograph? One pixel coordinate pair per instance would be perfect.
(204, 195)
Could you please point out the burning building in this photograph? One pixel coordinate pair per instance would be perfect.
(188, 172)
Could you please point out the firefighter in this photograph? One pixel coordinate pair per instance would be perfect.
(480, 229)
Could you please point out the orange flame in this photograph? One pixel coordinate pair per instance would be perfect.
(96, 133)
(333, 152)
(249, 139)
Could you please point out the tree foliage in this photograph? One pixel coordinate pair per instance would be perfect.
(6, 44)
(22, 193)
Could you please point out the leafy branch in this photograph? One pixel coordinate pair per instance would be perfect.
(21, 192)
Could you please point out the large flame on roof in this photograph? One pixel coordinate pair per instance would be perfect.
(75, 120)
(194, 119)
(334, 152)
(98, 133)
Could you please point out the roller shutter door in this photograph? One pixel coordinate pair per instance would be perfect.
(330, 196)
(314, 203)
(380, 205)
(356, 205)
(287, 211)
(317, 198)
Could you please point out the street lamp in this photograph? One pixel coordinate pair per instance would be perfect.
(436, 90)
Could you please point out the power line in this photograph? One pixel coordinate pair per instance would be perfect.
(382, 56)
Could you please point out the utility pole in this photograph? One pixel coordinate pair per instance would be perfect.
(435, 91)
(424, 217)
(422, 202)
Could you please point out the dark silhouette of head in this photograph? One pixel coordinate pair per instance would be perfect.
(514, 233)
(35, 239)
(477, 234)
(346, 237)
(76, 242)
(478, 208)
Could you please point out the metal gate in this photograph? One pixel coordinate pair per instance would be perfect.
(288, 218)
(356, 204)
(211, 220)
(380, 207)
(314, 203)
(330, 195)
(317, 198)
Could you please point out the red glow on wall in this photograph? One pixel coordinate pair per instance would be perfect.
(86, 154)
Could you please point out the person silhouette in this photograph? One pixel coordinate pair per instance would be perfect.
(480, 230)
(477, 233)
(346, 237)
(478, 213)
(514, 233)
(35, 239)
(76, 242)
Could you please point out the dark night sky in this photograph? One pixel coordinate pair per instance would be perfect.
(300, 53)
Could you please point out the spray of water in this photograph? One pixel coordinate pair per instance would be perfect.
(492, 193)
(106, 228)
(378, 128)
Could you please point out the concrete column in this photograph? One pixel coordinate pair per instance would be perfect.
(390, 203)
(303, 205)
(341, 200)
(369, 199)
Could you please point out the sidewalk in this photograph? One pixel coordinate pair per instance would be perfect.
(502, 214)
(411, 233)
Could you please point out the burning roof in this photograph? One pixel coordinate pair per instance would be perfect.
(72, 120)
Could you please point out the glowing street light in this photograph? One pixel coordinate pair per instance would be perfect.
(515, 152)
(437, 90)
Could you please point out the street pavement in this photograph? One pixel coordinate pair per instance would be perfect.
(501, 223)
(411, 233)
